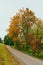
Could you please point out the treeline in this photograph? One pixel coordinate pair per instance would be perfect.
(25, 32)
(1, 40)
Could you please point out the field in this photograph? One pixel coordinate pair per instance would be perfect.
(6, 58)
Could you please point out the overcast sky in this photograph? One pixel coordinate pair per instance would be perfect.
(8, 8)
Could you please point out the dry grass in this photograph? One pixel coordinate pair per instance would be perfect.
(6, 58)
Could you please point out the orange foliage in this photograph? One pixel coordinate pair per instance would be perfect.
(36, 44)
(13, 28)
(15, 39)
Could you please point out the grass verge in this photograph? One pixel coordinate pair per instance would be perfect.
(6, 58)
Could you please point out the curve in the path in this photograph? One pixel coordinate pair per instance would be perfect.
(24, 58)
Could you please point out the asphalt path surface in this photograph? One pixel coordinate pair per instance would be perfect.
(24, 59)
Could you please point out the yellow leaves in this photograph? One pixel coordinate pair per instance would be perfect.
(15, 29)
(42, 41)
(39, 22)
(23, 43)
(15, 39)
(11, 34)
(29, 24)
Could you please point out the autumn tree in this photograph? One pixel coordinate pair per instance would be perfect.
(13, 28)
(20, 26)
(13, 31)
(38, 28)
(27, 19)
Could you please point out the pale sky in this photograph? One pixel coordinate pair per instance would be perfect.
(8, 8)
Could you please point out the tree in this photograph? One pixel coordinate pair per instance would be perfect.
(0, 40)
(8, 40)
(20, 26)
(39, 25)
(13, 28)
(27, 19)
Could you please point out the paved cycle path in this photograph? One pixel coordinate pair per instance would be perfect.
(24, 58)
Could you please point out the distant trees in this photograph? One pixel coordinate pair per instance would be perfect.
(0, 40)
(8, 40)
